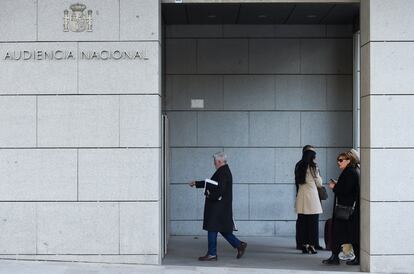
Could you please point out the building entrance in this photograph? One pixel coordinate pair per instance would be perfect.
(257, 82)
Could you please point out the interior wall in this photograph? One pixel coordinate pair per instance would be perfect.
(268, 90)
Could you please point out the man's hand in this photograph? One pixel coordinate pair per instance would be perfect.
(192, 184)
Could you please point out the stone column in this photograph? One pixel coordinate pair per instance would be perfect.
(387, 135)
(80, 116)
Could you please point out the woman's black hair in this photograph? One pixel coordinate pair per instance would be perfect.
(308, 161)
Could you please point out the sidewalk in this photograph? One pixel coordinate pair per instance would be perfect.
(264, 255)
(27, 267)
(262, 252)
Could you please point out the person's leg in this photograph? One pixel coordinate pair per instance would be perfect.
(232, 239)
(296, 233)
(356, 250)
(304, 233)
(303, 236)
(212, 247)
(299, 239)
(212, 243)
(236, 243)
(336, 248)
(355, 261)
(357, 238)
(313, 229)
(334, 259)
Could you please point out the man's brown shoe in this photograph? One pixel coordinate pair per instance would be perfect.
(208, 258)
(241, 249)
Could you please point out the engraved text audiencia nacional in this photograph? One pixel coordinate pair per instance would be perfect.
(39, 55)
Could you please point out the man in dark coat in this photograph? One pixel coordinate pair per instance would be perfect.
(218, 208)
(299, 225)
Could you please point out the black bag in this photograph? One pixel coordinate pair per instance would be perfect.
(344, 212)
(323, 195)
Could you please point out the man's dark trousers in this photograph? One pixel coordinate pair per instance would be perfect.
(212, 241)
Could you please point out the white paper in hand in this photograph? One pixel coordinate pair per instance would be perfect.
(212, 182)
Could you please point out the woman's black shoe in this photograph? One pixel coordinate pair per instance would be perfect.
(312, 250)
(305, 249)
(353, 262)
(333, 260)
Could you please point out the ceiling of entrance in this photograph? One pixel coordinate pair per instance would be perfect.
(260, 13)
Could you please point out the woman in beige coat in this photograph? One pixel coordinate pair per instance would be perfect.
(308, 205)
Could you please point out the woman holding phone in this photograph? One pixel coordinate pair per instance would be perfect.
(346, 208)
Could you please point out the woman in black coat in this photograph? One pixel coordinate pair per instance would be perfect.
(346, 194)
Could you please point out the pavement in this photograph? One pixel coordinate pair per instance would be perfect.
(36, 267)
(275, 253)
(263, 255)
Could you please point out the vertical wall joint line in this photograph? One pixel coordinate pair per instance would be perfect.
(119, 20)
(326, 92)
(77, 174)
(248, 202)
(37, 19)
(300, 129)
(300, 56)
(196, 129)
(77, 68)
(196, 57)
(36, 227)
(119, 228)
(249, 142)
(37, 121)
(248, 55)
(275, 91)
(222, 92)
(119, 120)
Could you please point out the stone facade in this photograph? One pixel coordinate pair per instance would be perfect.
(80, 143)
(387, 66)
(80, 139)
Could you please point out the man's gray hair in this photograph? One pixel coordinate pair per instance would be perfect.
(220, 156)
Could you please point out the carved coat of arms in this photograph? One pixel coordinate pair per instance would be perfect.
(77, 19)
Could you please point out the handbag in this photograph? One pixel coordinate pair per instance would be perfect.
(344, 212)
(323, 194)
